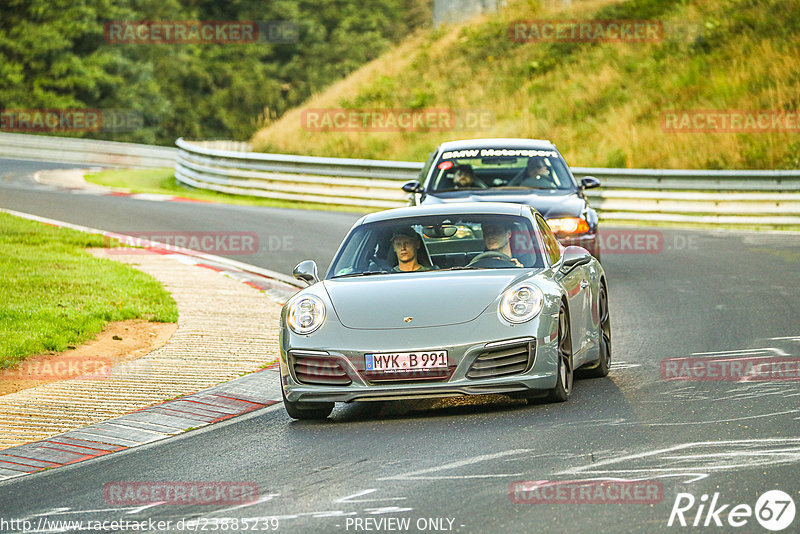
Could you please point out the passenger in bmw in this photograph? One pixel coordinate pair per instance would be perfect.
(465, 178)
(411, 254)
(536, 175)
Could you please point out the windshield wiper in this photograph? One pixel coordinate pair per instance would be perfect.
(521, 187)
(364, 273)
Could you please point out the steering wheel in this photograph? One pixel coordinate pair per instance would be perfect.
(491, 255)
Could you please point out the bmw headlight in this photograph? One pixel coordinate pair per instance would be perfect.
(568, 225)
(306, 314)
(521, 303)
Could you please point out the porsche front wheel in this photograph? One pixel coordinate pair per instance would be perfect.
(564, 379)
(307, 410)
(600, 368)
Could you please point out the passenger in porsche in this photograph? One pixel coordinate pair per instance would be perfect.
(407, 245)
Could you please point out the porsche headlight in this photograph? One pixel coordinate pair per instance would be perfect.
(521, 303)
(306, 314)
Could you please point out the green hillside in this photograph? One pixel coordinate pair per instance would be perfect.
(603, 103)
(59, 55)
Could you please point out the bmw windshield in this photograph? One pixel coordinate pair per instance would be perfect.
(507, 168)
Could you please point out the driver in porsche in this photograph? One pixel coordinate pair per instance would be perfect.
(497, 238)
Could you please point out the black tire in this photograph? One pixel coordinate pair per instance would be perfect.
(307, 411)
(565, 375)
(600, 368)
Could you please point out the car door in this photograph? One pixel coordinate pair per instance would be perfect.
(575, 284)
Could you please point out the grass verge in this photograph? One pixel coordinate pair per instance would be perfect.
(55, 295)
(162, 181)
(605, 104)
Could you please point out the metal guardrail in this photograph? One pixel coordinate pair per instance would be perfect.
(84, 151)
(339, 181)
(696, 196)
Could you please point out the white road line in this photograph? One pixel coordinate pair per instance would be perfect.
(732, 454)
(622, 423)
(386, 510)
(263, 498)
(697, 476)
(359, 494)
(49, 512)
(682, 446)
(67, 511)
(352, 498)
(623, 365)
(779, 352)
(337, 513)
(145, 507)
(463, 477)
(460, 463)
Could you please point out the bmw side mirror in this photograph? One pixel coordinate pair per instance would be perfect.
(590, 182)
(307, 272)
(574, 256)
(412, 187)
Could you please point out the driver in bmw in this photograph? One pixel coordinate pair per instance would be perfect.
(497, 238)
(536, 175)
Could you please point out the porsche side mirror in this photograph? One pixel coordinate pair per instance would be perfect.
(574, 256)
(412, 187)
(589, 182)
(306, 271)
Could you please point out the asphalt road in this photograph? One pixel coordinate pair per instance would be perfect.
(448, 467)
(283, 237)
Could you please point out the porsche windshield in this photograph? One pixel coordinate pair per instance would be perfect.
(488, 168)
(433, 243)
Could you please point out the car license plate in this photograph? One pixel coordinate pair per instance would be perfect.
(406, 361)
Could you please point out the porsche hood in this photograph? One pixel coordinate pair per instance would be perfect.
(429, 299)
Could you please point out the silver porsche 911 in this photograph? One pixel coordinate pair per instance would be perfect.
(444, 300)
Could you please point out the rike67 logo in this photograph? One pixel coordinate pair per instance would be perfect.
(774, 510)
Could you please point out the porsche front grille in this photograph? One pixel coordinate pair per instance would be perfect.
(503, 360)
(320, 370)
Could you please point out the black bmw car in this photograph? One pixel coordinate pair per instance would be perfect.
(523, 171)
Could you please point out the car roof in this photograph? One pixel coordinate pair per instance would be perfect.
(497, 143)
(455, 208)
